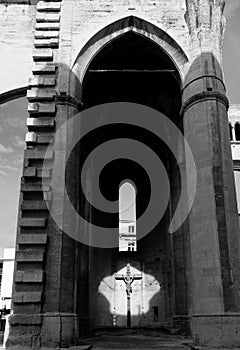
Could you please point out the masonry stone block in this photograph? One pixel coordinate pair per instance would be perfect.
(48, 17)
(31, 137)
(44, 138)
(29, 256)
(45, 173)
(46, 34)
(48, 26)
(43, 6)
(25, 319)
(43, 55)
(38, 154)
(42, 108)
(42, 81)
(41, 94)
(33, 222)
(41, 122)
(32, 187)
(34, 238)
(34, 205)
(28, 276)
(30, 172)
(44, 68)
(27, 297)
(52, 42)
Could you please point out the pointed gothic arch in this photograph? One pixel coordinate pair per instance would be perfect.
(118, 28)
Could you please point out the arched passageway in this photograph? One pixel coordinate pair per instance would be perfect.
(132, 68)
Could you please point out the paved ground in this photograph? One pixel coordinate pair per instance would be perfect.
(135, 342)
(132, 342)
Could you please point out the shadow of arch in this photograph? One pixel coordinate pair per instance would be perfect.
(116, 29)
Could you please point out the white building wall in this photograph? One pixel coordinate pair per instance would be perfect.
(7, 278)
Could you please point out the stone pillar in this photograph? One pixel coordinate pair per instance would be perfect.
(44, 293)
(60, 327)
(213, 221)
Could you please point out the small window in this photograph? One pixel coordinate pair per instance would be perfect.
(237, 131)
(230, 132)
(131, 247)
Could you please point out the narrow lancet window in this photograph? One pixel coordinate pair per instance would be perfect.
(127, 218)
(230, 132)
(237, 131)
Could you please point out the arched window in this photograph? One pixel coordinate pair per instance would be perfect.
(127, 217)
(230, 132)
(237, 131)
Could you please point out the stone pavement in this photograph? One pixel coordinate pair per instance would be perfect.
(136, 342)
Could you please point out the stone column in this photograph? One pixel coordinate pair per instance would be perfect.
(213, 221)
(60, 319)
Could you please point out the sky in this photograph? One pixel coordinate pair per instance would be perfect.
(231, 50)
(13, 117)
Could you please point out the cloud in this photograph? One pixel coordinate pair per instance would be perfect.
(19, 141)
(232, 8)
(2, 172)
(8, 167)
(5, 150)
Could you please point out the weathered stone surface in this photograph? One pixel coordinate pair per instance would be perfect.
(29, 187)
(32, 222)
(35, 172)
(34, 238)
(38, 154)
(27, 297)
(42, 81)
(41, 122)
(30, 172)
(46, 34)
(47, 26)
(25, 319)
(53, 43)
(31, 137)
(43, 55)
(42, 108)
(48, 17)
(41, 94)
(45, 173)
(44, 68)
(44, 138)
(49, 6)
(29, 276)
(29, 256)
(34, 205)
(17, 26)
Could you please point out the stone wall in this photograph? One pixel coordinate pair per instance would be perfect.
(17, 23)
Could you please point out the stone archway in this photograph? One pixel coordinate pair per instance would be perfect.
(116, 29)
(132, 68)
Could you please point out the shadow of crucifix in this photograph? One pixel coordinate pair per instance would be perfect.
(128, 278)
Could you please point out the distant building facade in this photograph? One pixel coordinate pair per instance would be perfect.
(127, 236)
(6, 279)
